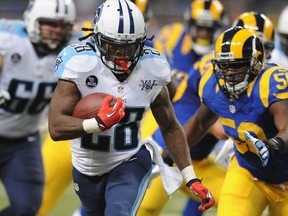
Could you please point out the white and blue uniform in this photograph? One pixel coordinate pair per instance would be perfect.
(109, 156)
(30, 81)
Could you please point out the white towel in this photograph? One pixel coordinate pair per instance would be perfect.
(225, 154)
(171, 176)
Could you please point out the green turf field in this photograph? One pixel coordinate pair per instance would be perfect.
(69, 202)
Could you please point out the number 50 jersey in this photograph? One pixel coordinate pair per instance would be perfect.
(96, 154)
(250, 112)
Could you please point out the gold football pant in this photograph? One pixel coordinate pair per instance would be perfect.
(243, 195)
(58, 172)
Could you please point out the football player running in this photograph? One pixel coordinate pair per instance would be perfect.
(28, 50)
(111, 165)
(250, 98)
(58, 178)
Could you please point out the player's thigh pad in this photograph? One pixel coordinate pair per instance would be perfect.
(240, 195)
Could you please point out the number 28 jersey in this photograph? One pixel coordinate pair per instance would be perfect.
(98, 153)
(250, 112)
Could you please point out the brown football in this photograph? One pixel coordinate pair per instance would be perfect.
(89, 105)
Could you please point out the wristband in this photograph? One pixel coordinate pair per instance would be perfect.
(90, 126)
(188, 174)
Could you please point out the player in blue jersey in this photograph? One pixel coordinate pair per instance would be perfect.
(184, 44)
(111, 165)
(250, 98)
(27, 52)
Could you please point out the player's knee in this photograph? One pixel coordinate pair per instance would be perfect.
(20, 209)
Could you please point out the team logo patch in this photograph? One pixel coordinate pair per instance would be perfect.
(147, 85)
(92, 81)
(15, 58)
(58, 61)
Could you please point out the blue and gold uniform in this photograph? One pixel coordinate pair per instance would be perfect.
(250, 112)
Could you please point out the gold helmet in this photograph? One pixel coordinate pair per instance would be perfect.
(207, 14)
(261, 25)
(238, 58)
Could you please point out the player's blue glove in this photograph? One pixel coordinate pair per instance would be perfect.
(266, 149)
(4, 97)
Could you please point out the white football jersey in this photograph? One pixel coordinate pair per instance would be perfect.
(279, 57)
(28, 78)
(96, 154)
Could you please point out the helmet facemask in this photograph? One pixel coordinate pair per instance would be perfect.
(119, 56)
(206, 20)
(202, 45)
(49, 24)
(234, 76)
(238, 59)
(51, 35)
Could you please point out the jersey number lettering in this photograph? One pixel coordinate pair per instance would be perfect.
(21, 93)
(125, 134)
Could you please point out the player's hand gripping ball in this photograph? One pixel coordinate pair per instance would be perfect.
(88, 107)
(107, 109)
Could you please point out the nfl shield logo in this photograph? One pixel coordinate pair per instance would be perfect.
(232, 108)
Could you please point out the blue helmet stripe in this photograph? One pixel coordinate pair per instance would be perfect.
(121, 21)
(132, 29)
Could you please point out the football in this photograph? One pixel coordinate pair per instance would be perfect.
(89, 105)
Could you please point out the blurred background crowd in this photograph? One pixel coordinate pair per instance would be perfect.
(164, 11)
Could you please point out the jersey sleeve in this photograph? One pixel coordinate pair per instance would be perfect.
(273, 85)
(74, 60)
(10, 32)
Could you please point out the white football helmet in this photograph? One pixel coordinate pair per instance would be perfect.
(283, 30)
(119, 34)
(52, 11)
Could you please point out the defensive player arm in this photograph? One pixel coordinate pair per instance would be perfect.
(61, 124)
(197, 126)
(171, 129)
(279, 110)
